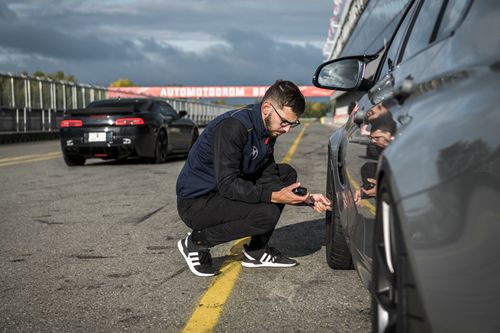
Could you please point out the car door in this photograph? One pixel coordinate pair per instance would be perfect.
(362, 151)
(181, 128)
(173, 130)
(399, 70)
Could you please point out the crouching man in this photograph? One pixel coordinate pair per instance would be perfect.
(230, 186)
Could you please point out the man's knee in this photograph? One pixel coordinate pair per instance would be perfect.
(266, 216)
(288, 174)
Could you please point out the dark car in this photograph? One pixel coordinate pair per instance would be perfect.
(119, 128)
(414, 174)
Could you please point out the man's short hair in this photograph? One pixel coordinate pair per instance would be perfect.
(286, 93)
(384, 123)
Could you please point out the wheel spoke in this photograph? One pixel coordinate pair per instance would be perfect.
(386, 225)
(382, 318)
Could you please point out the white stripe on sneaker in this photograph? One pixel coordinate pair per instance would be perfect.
(248, 256)
(189, 260)
(266, 257)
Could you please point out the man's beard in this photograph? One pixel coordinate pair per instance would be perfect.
(272, 132)
(267, 122)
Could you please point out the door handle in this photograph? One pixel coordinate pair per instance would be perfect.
(391, 96)
(404, 91)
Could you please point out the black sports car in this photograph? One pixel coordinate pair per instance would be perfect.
(119, 128)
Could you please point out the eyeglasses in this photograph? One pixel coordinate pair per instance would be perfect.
(284, 122)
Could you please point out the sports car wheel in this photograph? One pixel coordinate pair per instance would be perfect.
(161, 149)
(195, 137)
(74, 160)
(396, 305)
(338, 255)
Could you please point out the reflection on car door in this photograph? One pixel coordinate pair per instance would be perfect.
(358, 168)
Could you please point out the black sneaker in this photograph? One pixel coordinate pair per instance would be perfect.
(198, 259)
(268, 257)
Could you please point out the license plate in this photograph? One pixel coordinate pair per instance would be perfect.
(97, 137)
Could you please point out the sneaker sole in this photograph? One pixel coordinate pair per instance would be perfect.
(252, 265)
(189, 263)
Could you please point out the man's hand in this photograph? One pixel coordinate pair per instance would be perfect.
(357, 197)
(286, 196)
(373, 191)
(319, 203)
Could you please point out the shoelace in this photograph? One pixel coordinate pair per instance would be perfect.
(205, 257)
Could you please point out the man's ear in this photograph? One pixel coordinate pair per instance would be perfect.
(265, 108)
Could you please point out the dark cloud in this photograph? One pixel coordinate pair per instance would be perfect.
(238, 61)
(47, 41)
(101, 45)
(6, 14)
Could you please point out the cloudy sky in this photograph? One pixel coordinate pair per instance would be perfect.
(166, 42)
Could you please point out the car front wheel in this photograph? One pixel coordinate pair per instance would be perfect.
(161, 148)
(338, 255)
(194, 137)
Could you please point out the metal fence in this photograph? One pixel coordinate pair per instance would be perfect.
(38, 104)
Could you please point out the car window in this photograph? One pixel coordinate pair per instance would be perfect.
(423, 26)
(156, 108)
(391, 60)
(167, 110)
(451, 17)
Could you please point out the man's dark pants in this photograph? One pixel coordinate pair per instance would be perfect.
(221, 220)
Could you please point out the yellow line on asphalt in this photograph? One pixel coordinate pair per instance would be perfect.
(291, 151)
(363, 202)
(209, 307)
(24, 157)
(28, 158)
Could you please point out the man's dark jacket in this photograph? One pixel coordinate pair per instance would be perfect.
(233, 156)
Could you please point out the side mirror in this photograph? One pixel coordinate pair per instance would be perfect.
(182, 113)
(343, 73)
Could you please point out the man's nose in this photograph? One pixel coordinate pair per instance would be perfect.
(287, 128)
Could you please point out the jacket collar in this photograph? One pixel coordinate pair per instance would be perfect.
(257, 121)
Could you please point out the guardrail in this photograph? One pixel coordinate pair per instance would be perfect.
(34, 104)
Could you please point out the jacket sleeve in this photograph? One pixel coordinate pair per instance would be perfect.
(270, 176)
(229, 138)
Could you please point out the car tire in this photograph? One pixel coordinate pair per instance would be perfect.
(161, 148)
(396, 304)
(74, 160)
(338, 255)
(194, 137)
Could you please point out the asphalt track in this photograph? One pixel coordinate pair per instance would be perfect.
(93, 249)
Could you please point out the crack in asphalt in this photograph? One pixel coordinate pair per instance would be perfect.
(178, 272)
(47, 222)
(147, 216)
(90, 257)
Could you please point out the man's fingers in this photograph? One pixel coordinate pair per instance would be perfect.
(321, 207)
(294, 185)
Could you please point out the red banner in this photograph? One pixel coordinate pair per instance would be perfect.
(207, 92)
